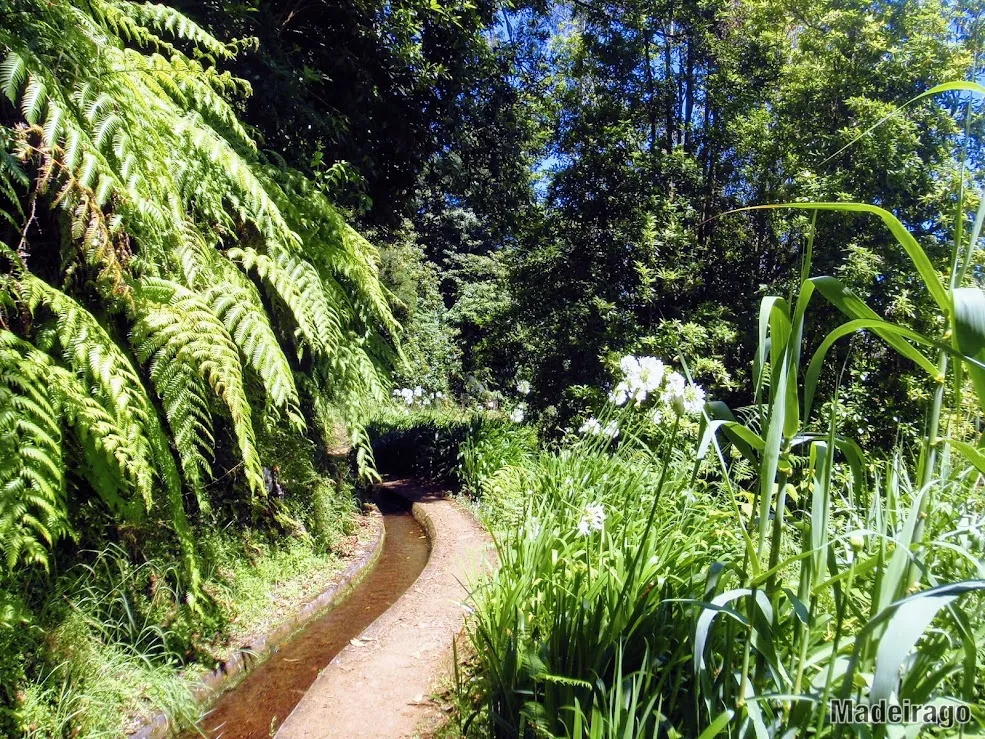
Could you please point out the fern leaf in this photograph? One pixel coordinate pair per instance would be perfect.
(12, 74)
(112, 383)
(34, 99)
(33, 510)
(175, 326)
(53, 124)
(297, 285)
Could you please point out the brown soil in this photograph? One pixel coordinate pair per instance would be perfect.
(379, 685)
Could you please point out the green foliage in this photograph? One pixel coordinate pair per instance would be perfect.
(837, 567)
(429, 340)
(151, 178)
(568, 612)
(32, 486)
(256, 578)
(422, 443)
(383, 87)
(115, 636)
(631, 589)
(492, 447)
(318, 502)
(656, 120)
(164, 293)
(190, 355)
(18, 638)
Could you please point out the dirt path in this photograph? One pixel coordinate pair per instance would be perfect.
(378, 686)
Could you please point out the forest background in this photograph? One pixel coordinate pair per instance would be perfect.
(549, 183)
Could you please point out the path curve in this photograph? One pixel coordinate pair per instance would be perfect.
(375, 686)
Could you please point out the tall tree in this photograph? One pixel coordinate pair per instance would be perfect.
(670, 114)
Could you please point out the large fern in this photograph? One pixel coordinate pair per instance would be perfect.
(119, 118)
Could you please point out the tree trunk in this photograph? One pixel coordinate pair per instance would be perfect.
(686, 136)
(671, 124)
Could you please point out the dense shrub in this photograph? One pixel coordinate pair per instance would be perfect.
(425, 444)
(449, 445)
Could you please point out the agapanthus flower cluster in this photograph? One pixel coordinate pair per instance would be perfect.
(592, 520)
(417, 396)
(641, 377)
(523, 387)
(593, 427)
(646, 377)
(518, 413)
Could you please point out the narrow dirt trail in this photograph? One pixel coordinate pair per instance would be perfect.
(373, 687)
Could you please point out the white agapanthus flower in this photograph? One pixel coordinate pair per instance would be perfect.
(595, 513)
(641, 377)
(674, 388)
(591, 426)
(630, 366)
(523, 387)
(418, 391)
(694, 399)
(584, 527)
(645, 377)
(516, 415)
(650, 376)
(621, 394)
(408, 395)
(683, 397)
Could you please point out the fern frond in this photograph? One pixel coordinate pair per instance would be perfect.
(344, 259)
(13, 71)
(33, 511)
(296, 283)
(105, 454)
(34, 99)
(168, 20)
(175, 326)
(111, 382)
(235, 300)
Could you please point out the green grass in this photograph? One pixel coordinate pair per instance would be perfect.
(655, 620)
(117, 648)
(100, 689)
(259, 584)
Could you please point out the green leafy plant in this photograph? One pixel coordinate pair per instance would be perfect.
(183, 246)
